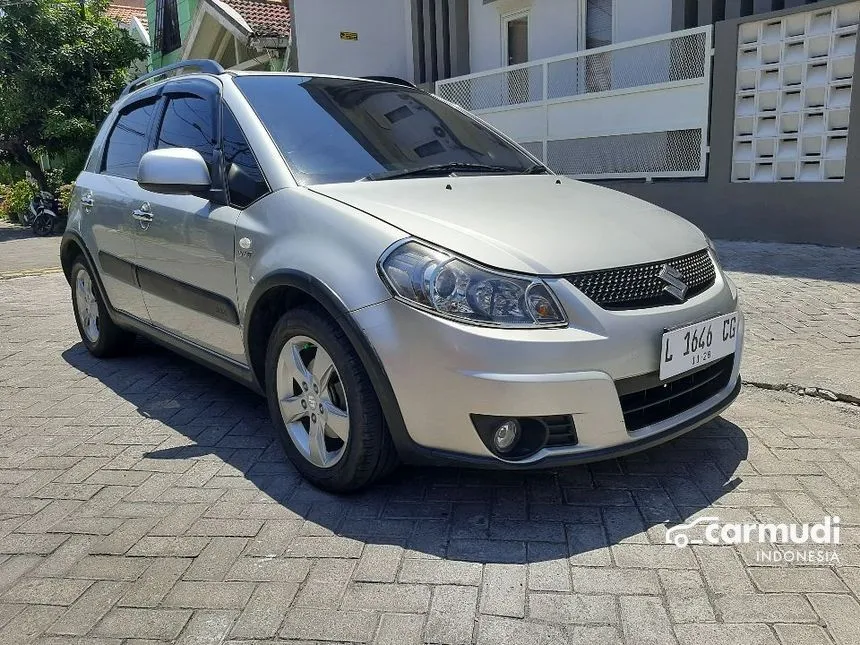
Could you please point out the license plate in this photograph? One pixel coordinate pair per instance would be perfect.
(692, 346)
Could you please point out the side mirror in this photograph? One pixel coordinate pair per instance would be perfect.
(175, 171)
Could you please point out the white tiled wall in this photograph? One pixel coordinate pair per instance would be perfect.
(794, 80)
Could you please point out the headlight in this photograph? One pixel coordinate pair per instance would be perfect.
(713, 248)
(437, 281)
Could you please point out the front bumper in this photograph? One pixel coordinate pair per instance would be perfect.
(442, 371)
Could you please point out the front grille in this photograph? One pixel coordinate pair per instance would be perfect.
(656, 403)
(639, 286)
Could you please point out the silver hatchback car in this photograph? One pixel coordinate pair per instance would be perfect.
(401, 281)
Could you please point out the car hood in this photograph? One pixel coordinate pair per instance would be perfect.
(526, 223)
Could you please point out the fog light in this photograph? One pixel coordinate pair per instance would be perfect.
(506, 435)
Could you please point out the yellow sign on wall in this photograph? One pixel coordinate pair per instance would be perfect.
(349, 35)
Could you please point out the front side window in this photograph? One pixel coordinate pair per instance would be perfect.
(187, 123)
(167, 36)
(245, 181)
(127, 141)
(338, 130)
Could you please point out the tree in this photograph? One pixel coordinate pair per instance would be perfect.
(62, 64)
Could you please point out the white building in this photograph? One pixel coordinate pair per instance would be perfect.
(507, 32)
(425, 40)
(131, 16)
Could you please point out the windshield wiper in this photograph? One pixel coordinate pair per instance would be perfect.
(438, 169)
(537, 169)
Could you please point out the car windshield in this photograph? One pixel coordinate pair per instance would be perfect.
(333, 130)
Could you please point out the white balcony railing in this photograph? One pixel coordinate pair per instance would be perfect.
(635, 109)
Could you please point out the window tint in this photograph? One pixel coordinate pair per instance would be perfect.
(187, 123)
(127, 141)
(245, 181)
(334, 129)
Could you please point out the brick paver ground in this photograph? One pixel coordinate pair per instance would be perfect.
(145, 500)
(802, 305)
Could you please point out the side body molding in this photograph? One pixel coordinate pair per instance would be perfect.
(73, 245)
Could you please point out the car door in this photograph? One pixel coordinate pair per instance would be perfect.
(107, 197)
(186, 243)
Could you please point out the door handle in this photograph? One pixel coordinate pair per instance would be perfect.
(87, 201)
(142, 214)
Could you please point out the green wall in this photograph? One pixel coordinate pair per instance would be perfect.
(186, 9)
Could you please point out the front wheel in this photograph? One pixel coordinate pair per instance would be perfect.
(101, 336)
(323, 404)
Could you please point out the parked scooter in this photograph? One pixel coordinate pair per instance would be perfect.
(33, 209)
(45, 214)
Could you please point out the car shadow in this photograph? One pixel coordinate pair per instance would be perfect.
(458, 514)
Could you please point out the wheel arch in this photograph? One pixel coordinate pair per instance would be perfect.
(71, 247)
(284, 289)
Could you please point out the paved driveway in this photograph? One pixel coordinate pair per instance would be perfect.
(144, 499)
(22, 253)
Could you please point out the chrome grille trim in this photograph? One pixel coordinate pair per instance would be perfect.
(639, 286)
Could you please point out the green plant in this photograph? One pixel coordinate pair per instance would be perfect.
(16, 199)
(55, 179)
(65, 195)
(62, 65)
(4, 205)
(73, 163)
(10, 173)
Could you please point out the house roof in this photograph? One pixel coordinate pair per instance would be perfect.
(123, 13)
(264, 17)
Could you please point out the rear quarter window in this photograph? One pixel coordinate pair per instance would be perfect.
(128, 141)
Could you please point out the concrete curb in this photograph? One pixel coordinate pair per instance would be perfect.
(30, 272)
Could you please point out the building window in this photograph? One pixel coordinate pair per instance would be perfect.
(515, 51)
(515, 33)
(597, 31)
(166, 26)
(598, 23)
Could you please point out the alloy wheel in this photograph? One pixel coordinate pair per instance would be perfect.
(88, 305)
(312, 401)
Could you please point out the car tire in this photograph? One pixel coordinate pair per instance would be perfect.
(308, 407)
(102, 337)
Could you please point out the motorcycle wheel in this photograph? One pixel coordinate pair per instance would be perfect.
(30, 215)
(43, 225)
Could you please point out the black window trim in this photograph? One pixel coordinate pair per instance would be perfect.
(269, 191)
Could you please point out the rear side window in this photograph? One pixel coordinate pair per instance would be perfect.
(127, 141)
(245, 181)
(187, 123)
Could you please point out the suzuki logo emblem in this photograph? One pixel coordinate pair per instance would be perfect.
(675, 285)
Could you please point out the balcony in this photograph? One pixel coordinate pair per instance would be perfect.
(637, 109)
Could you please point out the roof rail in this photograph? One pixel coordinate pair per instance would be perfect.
(390, 79)
(200, 65)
